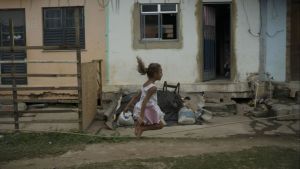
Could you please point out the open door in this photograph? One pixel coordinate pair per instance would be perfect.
(217, 44)
(295, 41)
(209, 42)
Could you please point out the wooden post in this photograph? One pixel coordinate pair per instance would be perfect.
(14, 85)
(78, 55)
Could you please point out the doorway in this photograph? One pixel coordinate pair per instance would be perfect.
(295, 40)
(216, 41)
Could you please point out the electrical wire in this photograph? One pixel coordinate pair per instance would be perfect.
(248, 22)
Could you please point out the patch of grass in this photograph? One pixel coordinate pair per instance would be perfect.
(254, 158)
(29, 145)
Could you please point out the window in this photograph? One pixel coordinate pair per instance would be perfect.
(159, 21)
(18, 17)
(59, 26)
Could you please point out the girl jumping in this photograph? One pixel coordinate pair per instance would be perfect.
(147, 112)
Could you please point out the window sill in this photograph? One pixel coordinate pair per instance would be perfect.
(157, 44)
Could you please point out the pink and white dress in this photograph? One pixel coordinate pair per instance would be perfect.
(153, 113)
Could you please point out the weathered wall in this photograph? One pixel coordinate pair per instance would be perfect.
(245, 44)
(94, 38)
(89, 92)
(179, 64)
(276, 39)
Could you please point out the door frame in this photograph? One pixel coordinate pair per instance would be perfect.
(233, 14)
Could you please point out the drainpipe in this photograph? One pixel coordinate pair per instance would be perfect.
(263, 6)
(107, 75)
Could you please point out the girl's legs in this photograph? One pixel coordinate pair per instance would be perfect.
(141, 128)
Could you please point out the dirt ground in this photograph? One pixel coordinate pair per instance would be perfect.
(216, 128)
(152, 148)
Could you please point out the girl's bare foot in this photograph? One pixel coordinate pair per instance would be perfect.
(139, 131)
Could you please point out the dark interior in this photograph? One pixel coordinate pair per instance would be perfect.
(222, 40)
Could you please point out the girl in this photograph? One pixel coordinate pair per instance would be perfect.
(146, 111)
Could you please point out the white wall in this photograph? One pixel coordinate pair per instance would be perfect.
(179, 65)
(247, 45)
(276, 39)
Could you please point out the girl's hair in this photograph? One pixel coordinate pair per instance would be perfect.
(150, 71)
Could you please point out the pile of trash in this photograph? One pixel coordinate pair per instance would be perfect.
(177, 110)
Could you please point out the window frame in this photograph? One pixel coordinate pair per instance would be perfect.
(63, 25)
(159, 13)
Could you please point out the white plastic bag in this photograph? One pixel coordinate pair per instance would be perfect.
(125, 119)
(186, 116)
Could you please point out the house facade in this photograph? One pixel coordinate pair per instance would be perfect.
(200, 43)
(204, 44)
